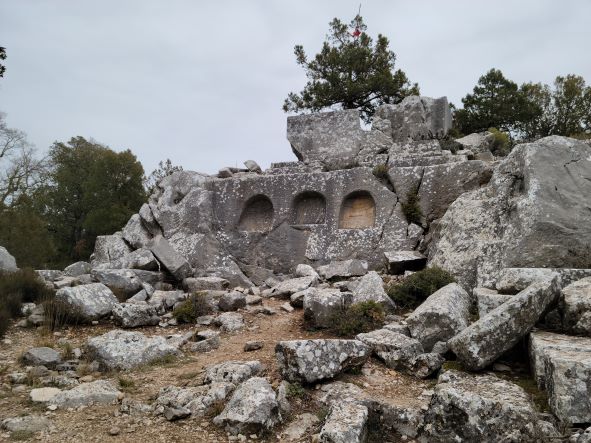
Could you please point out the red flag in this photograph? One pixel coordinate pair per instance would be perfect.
(356, 33)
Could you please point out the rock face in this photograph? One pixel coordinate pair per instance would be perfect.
(482, 342)
(483, 408)
(314, 360)
(7, 261)
(576, 306)
(531, 214)
(89, 302)
(253, 407)
(443, 315)
(562, 366)
(126, 350)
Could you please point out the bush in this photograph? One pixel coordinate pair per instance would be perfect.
(411, 209)
(58, 314)
(16, 288)
(449, 144)
(360, 317)
(501, 145)
(413, 290)
(381, 171)
(195, 306)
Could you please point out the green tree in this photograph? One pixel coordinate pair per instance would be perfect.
(92, 190)
(496, 102)
(350, 72)
(2, 57)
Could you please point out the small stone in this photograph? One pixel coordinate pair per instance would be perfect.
(114, 431)
(287, 307)
(500, 367)
(253, 346)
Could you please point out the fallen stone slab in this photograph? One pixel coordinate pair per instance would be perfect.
(303, 270)
(199, 400)
(371, 288)
(310, 361)
(233, 371)
(133, 315)
(513, 280)
(230, 321)
(204, 341)
(488, 299)
(142, 259)
(43, 395)
(125, 350)
(401, 261)
(194, 284)
(27, 423)
(176, 264)
(343, 269)
(441, 316)
(575, 303)
(482, 342)
(482, 408)
(88, 302)
(121, 281)
(76, 269)
(232, 301)
(85, 394)
(346, 423)
(165, 300)
(253, 166)
(252, 408)
(291, 286)
(562, 365)
(42, 356)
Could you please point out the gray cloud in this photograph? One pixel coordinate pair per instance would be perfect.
(203, 82)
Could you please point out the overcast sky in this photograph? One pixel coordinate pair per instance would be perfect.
(203, 82)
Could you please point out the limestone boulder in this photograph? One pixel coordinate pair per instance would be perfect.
(85, 394)
(234, 371)
(513, 280)
(139, 259)
(321, 305)
(230, 321)
(488, 299)
(232, 301)
(7, 261)
(109, 249)
(346, 422)
(88, 302)
(310, 361)
(482, 342)
(371, 288)
(291, 286)
(133, 315)
(172, 260)
(400, 261)
(533, 213)
(443, 315)
(26, 423)
(42, 356)
(483, 408)
(77, 269)
(123, 350)
(194, 284)
(252, 408)
(135, 233)
(121, 281)
(576, 306)
(343, 269)
(478, 142)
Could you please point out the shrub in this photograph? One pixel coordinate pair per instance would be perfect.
(4, 321)
(195, 306)
(413, 290)
(58, 314)
(449, 144)
(501, 144)
(411, 209)
(295, 390)
(381, 171)
(360, 317)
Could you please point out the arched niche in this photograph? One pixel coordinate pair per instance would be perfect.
(309, 208)
(257, 215)
(358, 211)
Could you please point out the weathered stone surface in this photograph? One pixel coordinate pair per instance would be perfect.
(346, 423)
(44, 356)
(291, 286)
(176, 264)
(303, 270)
(76, 269)
(135, 233)
(400, 261)
(331, 138)
(193, 284)
(299, 427)
(483, 408)
(132, 315)
(321, 305)
(478, 142)
(120, 281)
(7, 261)
(85, 394)
(139, 259)
(371, 288)
(27, 423)
(343, 269)
(43, 395)
(89, 302)
(234, 372)
(230, 321)
(562, 365)
(314, 360)
(253, 166)
(50, 275)
(417, 118)
(253, 407)
(533, 213)
(443, 315)
(232, 301)
(488, 300)
(575, 304)
(107, 249)
(482, 342)
(204, 341)
(164, 300)
(513, 280)
(174, 414)
(396, 350)
(125, 350)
